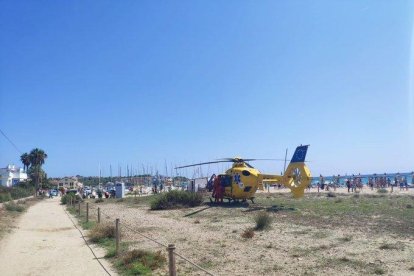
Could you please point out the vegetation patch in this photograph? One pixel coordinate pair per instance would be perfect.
(176, 199)
(18, 191)
(263, 221)
(248, 233)
(369, 209)
(13, 207)
(87, 225)
(101, 231)
(346, 238)
(99, 200)
(392, 246)
(66, 199)
(382, 191)
(331, 194)
(110, 247)
(379, 271)
(140, 262)
(5, 196)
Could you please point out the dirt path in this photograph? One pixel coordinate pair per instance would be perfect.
(47, 243)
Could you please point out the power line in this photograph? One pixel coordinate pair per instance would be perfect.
(11, 142)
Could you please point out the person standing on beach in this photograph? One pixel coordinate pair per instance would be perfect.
(348, 184)
(353, 183)
(322, 181)
(337, 182)
(389, 184)
(395, 181)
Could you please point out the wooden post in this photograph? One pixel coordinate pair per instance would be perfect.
(117, 236)
(79, 208)
(87, 212)
(99, 215)
(171, 260)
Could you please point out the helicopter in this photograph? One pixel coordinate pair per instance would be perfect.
(242, 180)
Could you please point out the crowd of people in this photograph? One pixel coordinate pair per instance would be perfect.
(375, 181)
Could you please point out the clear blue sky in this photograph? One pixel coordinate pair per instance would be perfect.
(132, 82)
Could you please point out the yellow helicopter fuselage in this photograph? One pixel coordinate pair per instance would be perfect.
(244, 182)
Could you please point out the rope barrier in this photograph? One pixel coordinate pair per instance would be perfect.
(196, 265)
(151, 239)
(83, 237)
(159, 243)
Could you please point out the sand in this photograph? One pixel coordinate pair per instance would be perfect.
(212, 239)
(47, 243)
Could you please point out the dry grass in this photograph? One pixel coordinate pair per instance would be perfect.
(263, 221)
(102, 231)
(8, 219)
(392, 246)
(326, 236)
(248, 233)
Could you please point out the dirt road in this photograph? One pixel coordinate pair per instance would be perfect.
(47, 243)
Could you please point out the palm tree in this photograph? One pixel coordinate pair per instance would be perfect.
(37, 159)
(25, 158)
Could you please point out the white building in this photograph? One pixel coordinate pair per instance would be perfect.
(11, 175)
(69, 183)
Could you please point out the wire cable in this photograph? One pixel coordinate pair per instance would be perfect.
(159, 243)
(83, 237)
(10, 141)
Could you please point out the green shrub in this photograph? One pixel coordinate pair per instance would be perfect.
(139, 262)
(176, 199)
(4, 197)
(19, 192)
(382, 191)
(66, 198)
(263, 221)
(13, 207)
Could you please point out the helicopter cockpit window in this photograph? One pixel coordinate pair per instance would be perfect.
(246, 173)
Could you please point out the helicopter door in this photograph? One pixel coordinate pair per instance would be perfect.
(225, 180)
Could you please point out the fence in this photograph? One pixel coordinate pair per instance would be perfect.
(89, 212)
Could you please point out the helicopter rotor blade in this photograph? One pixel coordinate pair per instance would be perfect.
(251, 159)
(204, 163)
(248, 165)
